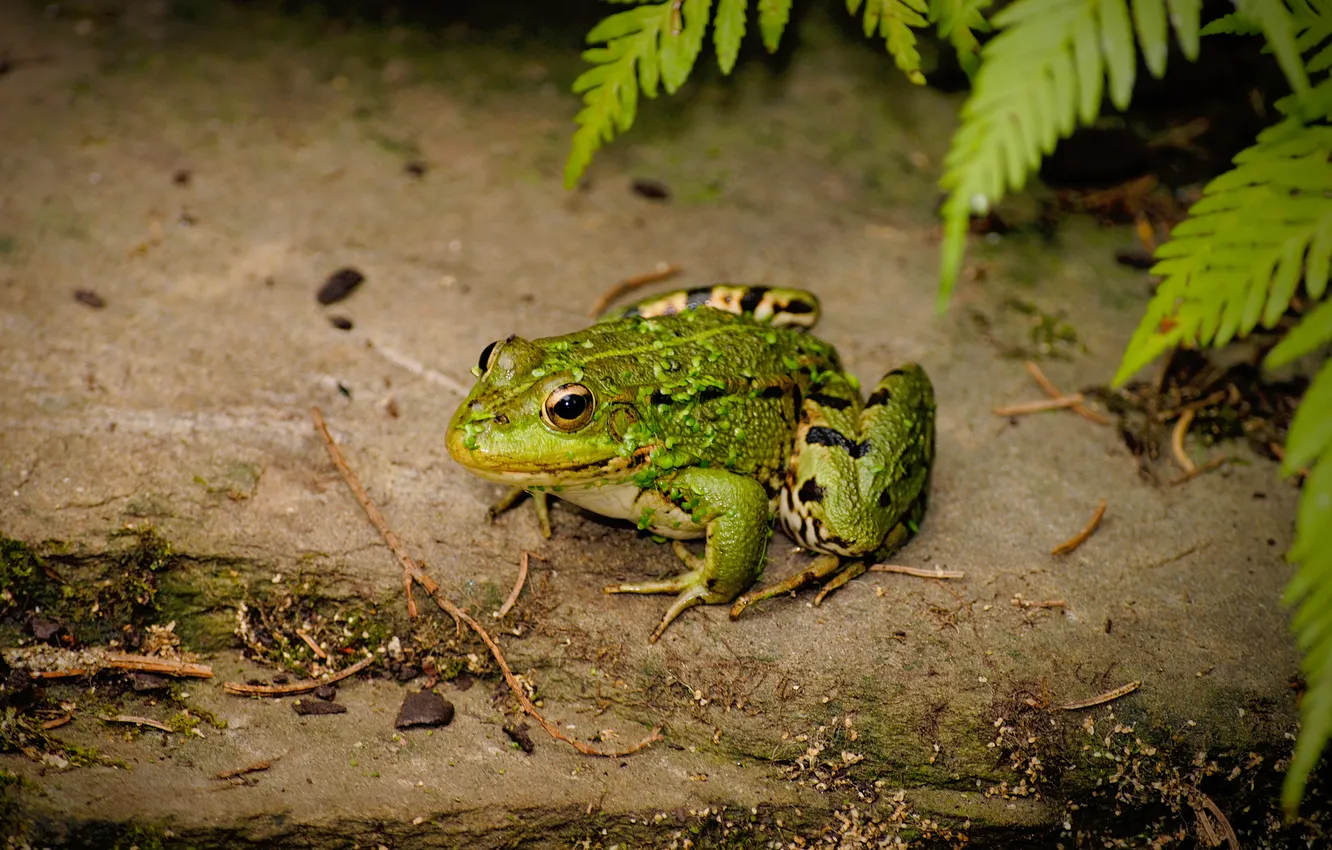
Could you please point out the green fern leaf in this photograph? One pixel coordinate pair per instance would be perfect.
(728, 30)
(959, 21)
(1185, 16)
(1310, 440)
(1278, 26)
(1239, 256)
(1313, 332)
(1043, 73)
(652, 44)
(773, 16)
(1232, 24)
(893, 20)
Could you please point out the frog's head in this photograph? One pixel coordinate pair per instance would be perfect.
(536, 417)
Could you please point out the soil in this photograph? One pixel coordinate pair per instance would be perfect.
(181, 195)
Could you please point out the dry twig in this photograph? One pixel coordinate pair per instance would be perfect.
(1053, 392)
(1081, 537)
(517, 585)
(1101, 699)
(135, 720)
(1201, 802)
(249, 768)
(310, 642)
(1177, 441)
(308, 685)
(413, 572)
(56, 722)
(919, 572)
(629, 284)
(1040, 406)
(1201, 470)
(91, 660)
(1019, 602)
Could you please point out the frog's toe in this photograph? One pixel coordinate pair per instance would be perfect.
(821, 567)
(850, 571)
(688, 599)
(675, 584)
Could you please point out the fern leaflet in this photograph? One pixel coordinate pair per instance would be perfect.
(728, 30)
(1238, 258)
(1044, 73)
(959, 21)
(893, 20)
(653, 44)
(773, 15)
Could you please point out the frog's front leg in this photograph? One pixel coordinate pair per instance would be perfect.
(734, 510)
(513, 496)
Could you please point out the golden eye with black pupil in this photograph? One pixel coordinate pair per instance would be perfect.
(568, 408)
(484, 363)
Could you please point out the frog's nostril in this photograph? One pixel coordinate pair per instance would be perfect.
(501, 419)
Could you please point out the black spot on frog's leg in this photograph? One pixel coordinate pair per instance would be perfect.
(880, 396)
(885, 498)
(795, 306)
(710, 394)
(752, 297)
(830, 401)
(659, 397)
(820, 435)
(698, 297)
(774, 391)
(810, 492)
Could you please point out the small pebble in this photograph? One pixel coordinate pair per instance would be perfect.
(326, 692)
(424, 708)
(89, 298)
(653, 190)
(142, 682)
(416, 168)
(182, 177)
(44, 629)
(305, 707)
(518, 734)
(342, 323)
(339, 285)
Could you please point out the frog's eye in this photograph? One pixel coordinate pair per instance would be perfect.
(568, 408)
(484, 363)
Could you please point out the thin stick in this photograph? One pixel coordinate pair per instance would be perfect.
(919, 572)
(249, 768)
(56, 722)
(296, 687)
(310, 642)
(1210, 805)
(1081, 537)
(1100, 699)
(1040, 406)
(372, 512)
(629, 284)
(1177, 442)
(1019, 602)
(517, 585)
(1202, 470)
(167, 666)
(420, 577)
(1053, 392)
(135, 720)
(58, 674)
(1167, 415)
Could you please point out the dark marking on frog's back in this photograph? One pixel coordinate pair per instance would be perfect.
(798, 307)
(774, 391)
(880, 396)
(711, 394)
(886, 497)
(829, 401)
(820, 435)
(810, 492)
(752, 298)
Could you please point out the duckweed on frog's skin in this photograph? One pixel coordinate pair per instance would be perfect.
(707, 413)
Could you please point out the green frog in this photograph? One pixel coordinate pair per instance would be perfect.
(707, 413)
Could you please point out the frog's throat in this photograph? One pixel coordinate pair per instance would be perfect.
(615, 470)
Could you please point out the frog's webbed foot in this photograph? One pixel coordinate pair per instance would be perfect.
(513, 497)
(691, 587)
(822, 567)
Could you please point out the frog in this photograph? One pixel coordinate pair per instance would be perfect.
(707, 413)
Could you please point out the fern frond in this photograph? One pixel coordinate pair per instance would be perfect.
(728, 30)
(773, 15)
(959, 21)
(1310, 591)
(1044, 73)
(1278, 26)
(893, 20)
(1240, 255)
(649, 44)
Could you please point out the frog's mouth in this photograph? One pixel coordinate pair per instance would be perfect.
(481, 445)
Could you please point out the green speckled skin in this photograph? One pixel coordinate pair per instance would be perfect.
(704, 413)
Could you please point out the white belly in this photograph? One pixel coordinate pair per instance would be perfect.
(626, 501)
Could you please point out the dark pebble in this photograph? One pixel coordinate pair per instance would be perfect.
(305, 707)
(405, 673)
(1135, 258)
(89, 298)
(45, 630)
(653, 190)
(182, 177)
(326, 692)
(339, 285)
(342, 323)
(463, 682)
(416, 168)
(281, 679)
(518, 734)
(424, 708)
(140, 681)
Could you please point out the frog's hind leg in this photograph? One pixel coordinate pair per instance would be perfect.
(856, 484)
(794, 308)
